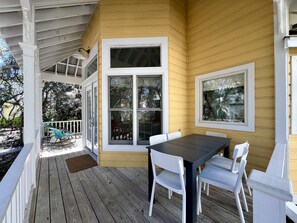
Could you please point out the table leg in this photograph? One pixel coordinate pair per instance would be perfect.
(191, 194)
(227, 151)
(150, 175)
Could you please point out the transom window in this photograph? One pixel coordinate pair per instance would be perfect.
(134, 93)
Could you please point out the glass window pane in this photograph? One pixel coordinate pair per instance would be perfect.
(135, 57)
(149, 92)
(223, 99)
(121, 131)
(149, 124)
(121, 92)
(91, 67)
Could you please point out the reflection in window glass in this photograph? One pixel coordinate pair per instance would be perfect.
(149, 123)
(120, 109)
(135, 57)
(121, 92)
(223, 99)
(149, 92)
(91, 67)
(149, 107)
(121, 127)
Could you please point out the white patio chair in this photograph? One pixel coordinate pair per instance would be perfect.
(156, 139)
(226, 163)
(217, 134)
(172, 177)
(173, 135)
(226, 179)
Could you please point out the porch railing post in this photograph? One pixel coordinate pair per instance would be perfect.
(271, 189)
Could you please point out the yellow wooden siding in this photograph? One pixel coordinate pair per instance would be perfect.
(146, 18)
(177, 56)
(224, 34)
(293, 161)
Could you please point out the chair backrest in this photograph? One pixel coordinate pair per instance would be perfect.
(170, 163)
(240, 150)
(167, 162)
(174, 135)
(158, 139)
(217, 134)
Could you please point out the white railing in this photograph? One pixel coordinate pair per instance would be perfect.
(17, 184)
(74, 126)
(271, 190)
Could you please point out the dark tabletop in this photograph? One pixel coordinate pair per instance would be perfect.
(193, 148)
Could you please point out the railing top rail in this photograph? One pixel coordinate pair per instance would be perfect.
(11, 178)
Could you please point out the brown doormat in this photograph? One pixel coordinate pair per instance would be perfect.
(79, 163)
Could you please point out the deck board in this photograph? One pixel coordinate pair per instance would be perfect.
(101, 194)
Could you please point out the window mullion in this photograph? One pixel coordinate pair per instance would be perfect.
(135, 103)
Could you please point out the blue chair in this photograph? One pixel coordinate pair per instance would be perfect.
(60, 135)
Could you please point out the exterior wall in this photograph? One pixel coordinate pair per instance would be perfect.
(293, 161)
(223, 34)
(147, 18)
(178, 85)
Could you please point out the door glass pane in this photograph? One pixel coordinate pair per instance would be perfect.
(135, 57)
(121, 127)
(149, 92)
(149, 125)
(95, 118)
(121, 92)
(89, 115)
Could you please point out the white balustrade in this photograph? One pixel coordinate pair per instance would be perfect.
(271, 189)
(74, 126)
(17, 185)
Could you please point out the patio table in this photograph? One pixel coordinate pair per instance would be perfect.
(195, 150)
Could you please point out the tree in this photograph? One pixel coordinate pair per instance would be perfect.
(11, 93)
(61, 102)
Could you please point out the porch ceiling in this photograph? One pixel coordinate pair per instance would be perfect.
(59, 26)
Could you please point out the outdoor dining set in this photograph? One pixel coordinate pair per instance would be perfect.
(187, 165)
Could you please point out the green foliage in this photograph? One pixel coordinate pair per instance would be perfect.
(61, 102)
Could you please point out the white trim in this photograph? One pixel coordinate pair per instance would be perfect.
(107, 71)
(294, 95)
(85, 83)
(249, 125)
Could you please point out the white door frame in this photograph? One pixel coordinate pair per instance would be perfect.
(87, 82)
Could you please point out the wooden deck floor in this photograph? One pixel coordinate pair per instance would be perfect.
(114, 195)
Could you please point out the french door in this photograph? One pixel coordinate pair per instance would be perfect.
(91, 106)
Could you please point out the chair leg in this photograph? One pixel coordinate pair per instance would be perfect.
(245, 178)
(152, 198)
(244, 200)
(199, 206)
(184, 209)
(169, 194)
(207, 189)
(239, 208)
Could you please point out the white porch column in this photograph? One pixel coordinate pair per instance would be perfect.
(281, 76)
(29, 91)
(38, 109)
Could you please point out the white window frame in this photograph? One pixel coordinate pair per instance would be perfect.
(107, 71)
(249, 101)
